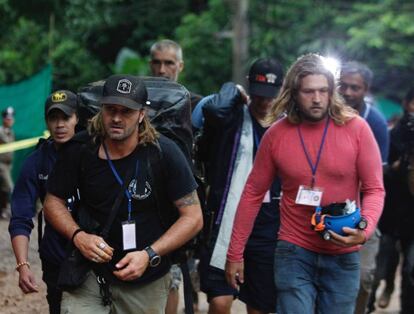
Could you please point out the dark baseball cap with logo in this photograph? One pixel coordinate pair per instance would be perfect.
(125, 90)
(63, 100)
(265, 77)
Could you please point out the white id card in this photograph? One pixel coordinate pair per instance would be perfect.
(309, 196)
(128, 235)
(266, 198)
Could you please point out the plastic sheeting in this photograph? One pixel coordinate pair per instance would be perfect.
(27, 98)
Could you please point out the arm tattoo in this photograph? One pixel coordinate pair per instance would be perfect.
(188, 200)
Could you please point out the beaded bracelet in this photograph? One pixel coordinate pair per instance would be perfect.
(22, 264)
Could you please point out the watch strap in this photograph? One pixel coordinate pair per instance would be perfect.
(154, 258)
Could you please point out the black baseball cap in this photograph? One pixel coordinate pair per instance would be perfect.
(265, 77)
(63, 100)
(125, 90)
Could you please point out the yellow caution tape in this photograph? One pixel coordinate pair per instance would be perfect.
(22, 144)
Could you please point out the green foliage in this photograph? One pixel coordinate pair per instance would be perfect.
(8, 15)
(381, 34)
(207, 54)
(105, 26)
(130, 62)
(24, 51)
(87, 37)
(74, 66)
(287, 29)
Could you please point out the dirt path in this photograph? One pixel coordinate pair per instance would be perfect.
(13, 301)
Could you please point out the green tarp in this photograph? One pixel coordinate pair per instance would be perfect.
(389, 108)
(27, 98)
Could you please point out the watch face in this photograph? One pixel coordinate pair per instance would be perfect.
(155, 261)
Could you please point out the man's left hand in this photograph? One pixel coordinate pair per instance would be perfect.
(132, 266)
(352, 237)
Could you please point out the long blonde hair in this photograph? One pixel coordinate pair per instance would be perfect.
(285, 103)
(146, 132)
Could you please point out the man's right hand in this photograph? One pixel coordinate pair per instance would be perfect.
(27, 281)
(132, 265)
(93, 247)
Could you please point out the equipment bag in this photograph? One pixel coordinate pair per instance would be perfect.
(169, 110)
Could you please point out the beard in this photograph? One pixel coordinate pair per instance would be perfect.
(120, 134)
(308, 116)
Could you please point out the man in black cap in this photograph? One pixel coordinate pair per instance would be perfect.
(6, 159)
(234, 125)
(61, 119)
(128, 161)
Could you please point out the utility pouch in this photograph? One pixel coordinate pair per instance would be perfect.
(74, 269)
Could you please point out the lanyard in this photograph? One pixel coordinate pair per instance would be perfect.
(314, 167)
(118, 178)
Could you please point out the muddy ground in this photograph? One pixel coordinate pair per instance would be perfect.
(13, 301)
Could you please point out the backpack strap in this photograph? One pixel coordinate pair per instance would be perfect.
(167, 219)
(117, 203)
(157, 172)
(88, 150)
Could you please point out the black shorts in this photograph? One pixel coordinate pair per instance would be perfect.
(212, 280)
(259, 290)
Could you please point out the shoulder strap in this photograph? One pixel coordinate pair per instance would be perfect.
(89, 147)
(115, 206)
(157, 173)
(155, 162)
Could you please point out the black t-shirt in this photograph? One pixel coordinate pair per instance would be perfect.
(99, 188)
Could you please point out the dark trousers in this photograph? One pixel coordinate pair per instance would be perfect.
(407, 282)
(54, 294)
(387, 262)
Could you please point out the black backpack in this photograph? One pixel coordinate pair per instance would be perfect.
(169, 110)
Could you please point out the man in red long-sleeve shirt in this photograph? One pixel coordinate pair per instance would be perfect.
(321, 147)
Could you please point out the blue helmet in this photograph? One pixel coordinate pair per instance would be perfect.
(328, 218)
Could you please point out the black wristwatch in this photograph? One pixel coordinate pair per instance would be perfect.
(154, 258)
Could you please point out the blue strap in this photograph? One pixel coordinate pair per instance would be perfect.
(118, 178)
(308, 158)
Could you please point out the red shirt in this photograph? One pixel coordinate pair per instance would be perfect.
(350, 163)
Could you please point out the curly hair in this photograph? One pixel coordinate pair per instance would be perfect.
(147, 133)
(286, 103)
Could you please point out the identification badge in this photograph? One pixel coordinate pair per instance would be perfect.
(128, 235)
(266, 198)
(309, 196)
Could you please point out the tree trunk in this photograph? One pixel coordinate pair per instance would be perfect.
(240, 40)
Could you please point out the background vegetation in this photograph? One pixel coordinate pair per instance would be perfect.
(88, 40)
